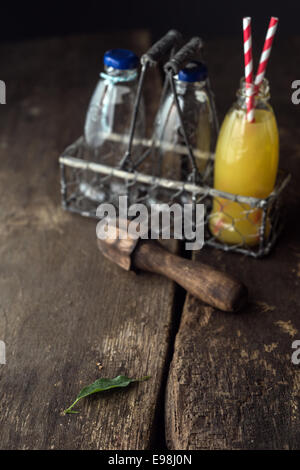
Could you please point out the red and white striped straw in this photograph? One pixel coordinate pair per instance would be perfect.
(248, 68)
(266, 52)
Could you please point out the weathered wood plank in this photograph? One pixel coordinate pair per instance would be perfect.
(232, 384)
(63, 307)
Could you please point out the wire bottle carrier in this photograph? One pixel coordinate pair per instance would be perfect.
(76, 164)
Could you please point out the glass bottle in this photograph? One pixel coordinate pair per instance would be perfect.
(108, 118)
(246, 163)
(196, 103)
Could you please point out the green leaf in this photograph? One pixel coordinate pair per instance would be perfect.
(101, 385)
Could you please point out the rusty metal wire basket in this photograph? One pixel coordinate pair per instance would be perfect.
(261, 219)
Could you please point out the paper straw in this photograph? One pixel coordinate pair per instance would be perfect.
(248, 68)
(266, 52)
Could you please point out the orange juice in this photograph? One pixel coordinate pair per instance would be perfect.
(246, 163)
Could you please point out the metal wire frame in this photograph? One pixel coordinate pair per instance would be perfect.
(76, 158)
(72, 198)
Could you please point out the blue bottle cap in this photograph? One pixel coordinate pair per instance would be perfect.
(193, 72)
(121, 59)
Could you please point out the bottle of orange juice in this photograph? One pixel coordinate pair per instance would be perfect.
(246, 163)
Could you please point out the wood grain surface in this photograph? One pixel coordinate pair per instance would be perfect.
(232, 384)
(63, 307)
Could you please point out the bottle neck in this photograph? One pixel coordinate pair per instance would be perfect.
(186, 87)
(116, 75)
(261, 94)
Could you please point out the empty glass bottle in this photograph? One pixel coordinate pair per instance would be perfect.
(198, 112)
(108, 118)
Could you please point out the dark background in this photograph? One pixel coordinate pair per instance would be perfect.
(201, 17)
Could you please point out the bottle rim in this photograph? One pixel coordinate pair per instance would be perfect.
(184, 84)
(263, 91)
(116, 75)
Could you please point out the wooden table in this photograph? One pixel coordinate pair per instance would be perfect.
(64, 308)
